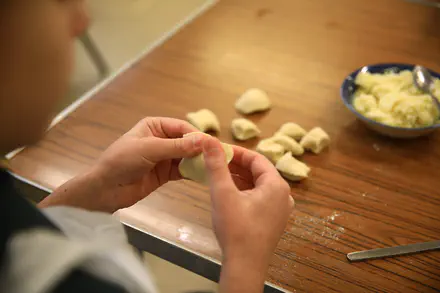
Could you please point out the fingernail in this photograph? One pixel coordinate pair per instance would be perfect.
(196, 139)
(210, 147)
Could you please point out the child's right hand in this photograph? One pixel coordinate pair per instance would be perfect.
(250, 213)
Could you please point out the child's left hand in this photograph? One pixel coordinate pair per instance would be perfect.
(136, 164)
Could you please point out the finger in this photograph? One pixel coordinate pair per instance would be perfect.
(256, 163)
(220, 180)
(242, 183)
(264, 174)
(291, 203)
(174, 171)
(242, 172)
(156, 149)
(162, 127)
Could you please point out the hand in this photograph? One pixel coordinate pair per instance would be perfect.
(139, 162)
(250, 213)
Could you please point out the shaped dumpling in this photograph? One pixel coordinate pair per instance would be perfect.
(244, 129)
(293, 130)
(289, 144)
(270, 150)
(204, 120)
(316, 140)
(194, 168)
(292, 169)
(253, 100)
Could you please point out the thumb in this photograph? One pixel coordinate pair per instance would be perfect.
(220, 179)
(158, 149)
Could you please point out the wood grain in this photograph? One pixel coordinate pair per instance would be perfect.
(365, 192)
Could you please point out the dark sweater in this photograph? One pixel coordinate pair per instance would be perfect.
(16, 215)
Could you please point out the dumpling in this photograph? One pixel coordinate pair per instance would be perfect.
(204, 120)
(270, 150)
(289, 144)
(253, 100)
(293, 130)
(316, 140)
(244, 129)
(194, 168)
(292, 169)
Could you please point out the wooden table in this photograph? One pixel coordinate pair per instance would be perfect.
(365, 192)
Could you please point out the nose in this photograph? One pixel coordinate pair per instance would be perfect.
(79, 18)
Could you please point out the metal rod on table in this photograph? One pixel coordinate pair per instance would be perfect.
(393, 251)
(426, 3)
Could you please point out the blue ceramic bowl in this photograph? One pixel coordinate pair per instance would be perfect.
(348, 88)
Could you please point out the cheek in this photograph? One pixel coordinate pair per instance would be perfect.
(36, 64)
(56, 57)
(45, 71)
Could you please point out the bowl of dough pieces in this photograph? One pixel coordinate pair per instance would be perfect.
(385, 99)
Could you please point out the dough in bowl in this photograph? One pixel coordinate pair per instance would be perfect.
(194, 168)
(392, 99)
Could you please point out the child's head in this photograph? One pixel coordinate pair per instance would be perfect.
(36, 58)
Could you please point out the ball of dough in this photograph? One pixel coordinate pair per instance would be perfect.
(270, 150)
(253, 100)
(204, 120)
(291, 168)
(316, 140)
(194, 168)
(289, 144)
(293, 130)
(244, 129)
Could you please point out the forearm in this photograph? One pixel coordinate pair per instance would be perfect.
(84, 191)
(241, 276)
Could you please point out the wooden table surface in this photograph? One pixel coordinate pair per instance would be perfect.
(364, 192)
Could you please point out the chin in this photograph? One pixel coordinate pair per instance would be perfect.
(31, 135)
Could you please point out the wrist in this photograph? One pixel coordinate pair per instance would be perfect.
(250, 254)
(98, 191)
(85, 191)
(257, 264)
(243, 274)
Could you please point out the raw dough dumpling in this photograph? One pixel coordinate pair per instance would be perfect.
(194, 168)
(293, 130)
(316, 140)
(289, 144)
(204, 120)
(291, 168)
(253, 100)
(244, 129)
(270, 150)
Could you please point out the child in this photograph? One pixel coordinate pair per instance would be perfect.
(56, 247)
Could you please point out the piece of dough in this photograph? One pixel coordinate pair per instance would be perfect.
(270, 150)
(244, 129)
(316, 140)
(194, 168)
(293, 130)
(291, 168)
(204, 120)
(253, 100)
(288, 143)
